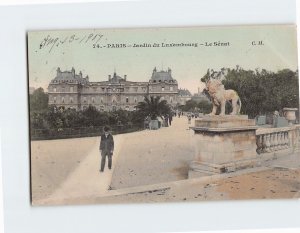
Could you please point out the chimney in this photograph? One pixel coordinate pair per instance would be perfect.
(80, 74)
(109, 77)
(73, 71)
(125, 77)
(87, 77)
(58, 71)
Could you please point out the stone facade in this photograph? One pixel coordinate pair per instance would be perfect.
(183, 96)
(223, 144)
(71, 90)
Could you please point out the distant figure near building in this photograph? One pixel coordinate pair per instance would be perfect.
(189, 118)
(170, 119)
(106, 148)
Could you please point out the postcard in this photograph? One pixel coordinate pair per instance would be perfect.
(149, 115)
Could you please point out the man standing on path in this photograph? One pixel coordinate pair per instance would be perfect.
(106, 148)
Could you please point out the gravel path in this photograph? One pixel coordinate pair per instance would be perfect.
(52, 161)
(154, 156)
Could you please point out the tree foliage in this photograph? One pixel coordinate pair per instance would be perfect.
(193, 106)
(38, 100)
(262, 91)
(55, 118)
(154, 107)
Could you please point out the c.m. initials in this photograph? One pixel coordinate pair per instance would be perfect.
(259, 42)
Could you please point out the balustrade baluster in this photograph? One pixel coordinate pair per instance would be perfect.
(275, 141)
(281, 141)
(272, 142)
(259, 143)
(267, 143)
(286, 135)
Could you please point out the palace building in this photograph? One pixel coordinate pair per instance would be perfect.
(71, 90)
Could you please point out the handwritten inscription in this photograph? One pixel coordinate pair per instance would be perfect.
(98, 41)
(52, 43)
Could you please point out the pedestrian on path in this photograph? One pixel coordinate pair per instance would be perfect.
(170, 119)
(189, 118)
(106, 148)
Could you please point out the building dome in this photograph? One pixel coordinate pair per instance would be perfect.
(116, 78)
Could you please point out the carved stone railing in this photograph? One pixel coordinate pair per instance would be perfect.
(285, 140)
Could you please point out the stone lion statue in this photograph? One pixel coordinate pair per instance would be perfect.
(219, 96)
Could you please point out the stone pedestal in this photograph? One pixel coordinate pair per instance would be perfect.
(223, 144)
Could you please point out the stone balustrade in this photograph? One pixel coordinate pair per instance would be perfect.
(274, 142)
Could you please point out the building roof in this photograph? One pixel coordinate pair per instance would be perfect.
(69, 76)
(199, 97)
(184, 92)
(162, 76)
(116, 79)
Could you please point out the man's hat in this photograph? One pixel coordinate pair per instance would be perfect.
(106, 129)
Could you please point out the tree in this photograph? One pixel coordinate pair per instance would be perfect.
(261, 91)
(205, 106)
(38, 100)
(153, 107)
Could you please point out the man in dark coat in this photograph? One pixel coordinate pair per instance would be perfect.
(106, 148)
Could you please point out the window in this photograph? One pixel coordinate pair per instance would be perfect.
(63, 100)
(71, 100)
(54, 99)
(101, 100)
(135, 99)
(171, 99)
(93, 99)
(84, 99)
(171, 88)
(71, 89)
(163, 88)
(127, 100)
(54, 89)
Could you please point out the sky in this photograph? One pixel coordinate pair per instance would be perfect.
(100, 52)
